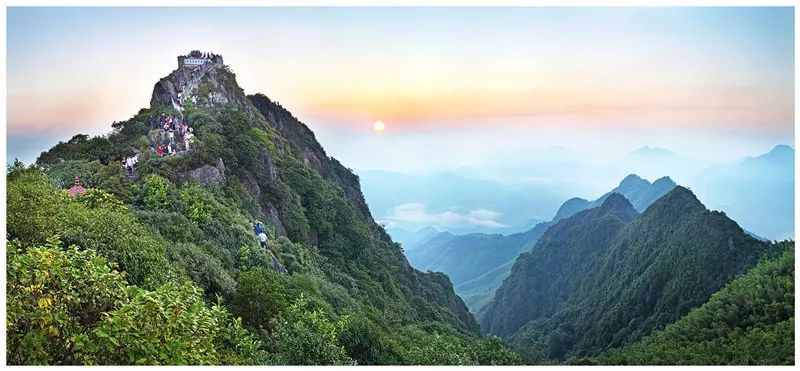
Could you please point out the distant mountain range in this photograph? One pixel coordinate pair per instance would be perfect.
(478, 263)
(757, 192)
(607, 276)
(410, 240)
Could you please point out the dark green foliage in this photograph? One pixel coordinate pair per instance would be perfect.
(64, 173)
(367, 344)
(749, 321)
(260, 298)
(81, 147)
(645, 275)
(203, 268)
(37, 211)
(335, 223)
(307, 337)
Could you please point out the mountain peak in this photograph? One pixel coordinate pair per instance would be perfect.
(665, 180)
(617, 204)
(200, 79)
(680, 197)
(782, 148)
(633, 180)
(652, 151)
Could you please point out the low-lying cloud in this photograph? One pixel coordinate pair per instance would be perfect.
(418, 214)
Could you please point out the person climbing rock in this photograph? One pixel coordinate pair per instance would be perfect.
(262, 239)
(258, 226)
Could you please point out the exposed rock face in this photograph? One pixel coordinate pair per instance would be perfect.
(216, 87)
(313, 155)
(277, 266)
(205, 175)
(168, 88)
(267, 171)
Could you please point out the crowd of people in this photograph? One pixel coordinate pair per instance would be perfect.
(175, 135)
(131, 163)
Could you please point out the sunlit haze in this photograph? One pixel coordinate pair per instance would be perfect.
(455, 80)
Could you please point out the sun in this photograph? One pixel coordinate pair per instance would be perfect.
(378, 126)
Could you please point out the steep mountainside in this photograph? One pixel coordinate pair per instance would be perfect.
(465, 257)
(749, 321)
(478, 263)
(552, 269)
(185, 218)
(638, 191)
(667, 261)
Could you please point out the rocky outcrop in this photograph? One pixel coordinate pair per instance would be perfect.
(205, 175)
(277, 266)
(168, 88)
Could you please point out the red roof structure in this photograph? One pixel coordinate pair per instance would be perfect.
(76, 189)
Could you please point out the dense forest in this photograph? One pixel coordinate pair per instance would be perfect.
(161, 265)
(477, 263)
(749, 321)
(606, 277)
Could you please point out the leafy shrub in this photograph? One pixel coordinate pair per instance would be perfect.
(171, 325)
(306, 337)
(195, 205)
(260, 297)
(37, 211)
(156, 193)
(204, 269)
(98, 198)
(440, 349)
(64, 173)
(366, 343)
(54, 295)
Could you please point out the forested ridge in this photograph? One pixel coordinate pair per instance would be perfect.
(749, 321)
(160, 265)
(589, 286)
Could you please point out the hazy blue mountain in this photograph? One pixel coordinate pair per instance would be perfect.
(410, 240)
(640, 192)
(604, 277)
(757, 192)
(474, 261)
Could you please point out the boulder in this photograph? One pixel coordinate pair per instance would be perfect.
(205, 175)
